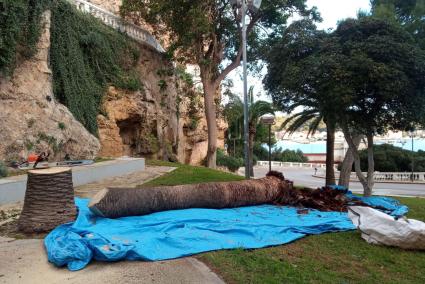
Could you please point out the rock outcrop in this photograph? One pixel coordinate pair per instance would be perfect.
(109, 5)
(159, 122)
(165, 120)
(31, 120)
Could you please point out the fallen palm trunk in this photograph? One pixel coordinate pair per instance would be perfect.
(273, 189)
(118, 202)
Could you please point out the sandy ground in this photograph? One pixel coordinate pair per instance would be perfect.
(25, 260)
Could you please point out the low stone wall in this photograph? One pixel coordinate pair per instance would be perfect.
(13, 189)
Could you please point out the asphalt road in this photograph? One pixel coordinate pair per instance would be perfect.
(304, 177)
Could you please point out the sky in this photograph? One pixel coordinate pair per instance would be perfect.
(331, 11)
(334, 10)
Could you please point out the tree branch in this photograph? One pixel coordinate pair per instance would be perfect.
(237, 61)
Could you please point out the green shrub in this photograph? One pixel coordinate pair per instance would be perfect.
(389, 158)
(279, 155)
(231, 163)
(61, 126)
(87, 56)
(3, 170)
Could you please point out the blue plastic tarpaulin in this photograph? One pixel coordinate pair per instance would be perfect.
(178, 233)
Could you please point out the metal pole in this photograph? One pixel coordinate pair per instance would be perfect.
(245, 92)
(413, 158)
(270, 147)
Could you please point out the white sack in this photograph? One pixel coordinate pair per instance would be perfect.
(379, 228)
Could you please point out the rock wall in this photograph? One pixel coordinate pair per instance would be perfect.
(158, 121)
(110, 5)
(30, 118)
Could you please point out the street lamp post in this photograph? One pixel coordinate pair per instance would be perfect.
(245, 92)
(253, 6)
(269, 120)
(413, 156)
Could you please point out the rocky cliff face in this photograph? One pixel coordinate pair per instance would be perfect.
(165, 120)
(110, 5)
(30, 118)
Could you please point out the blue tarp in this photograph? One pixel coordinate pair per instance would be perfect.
(177, 233)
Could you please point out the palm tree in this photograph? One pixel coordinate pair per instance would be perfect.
(233, 112)
(313, 115)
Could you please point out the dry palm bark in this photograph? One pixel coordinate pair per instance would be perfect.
(273, 189)
(118, 202)
(49, 200)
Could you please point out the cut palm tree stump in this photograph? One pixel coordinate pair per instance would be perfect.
(273, 189)
(49, 200)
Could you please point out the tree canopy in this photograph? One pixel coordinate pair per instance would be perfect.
(409, 13)
(367, 75)
(386, 76)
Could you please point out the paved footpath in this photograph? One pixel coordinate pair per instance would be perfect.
(25, 261)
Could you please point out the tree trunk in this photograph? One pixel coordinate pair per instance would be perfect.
(211, 116)
(347, 164)
(49, 200)
(363, 180)
(119, 202)
(330, 157)
(370, 165)
(252, 133)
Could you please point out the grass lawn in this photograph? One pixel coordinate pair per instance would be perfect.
(185, 174)
(327, 258)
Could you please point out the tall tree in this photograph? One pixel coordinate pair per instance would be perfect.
(313, 116)
(208, 33)
(302, 65)
(367, 76)
(386, 72)
(234, 112)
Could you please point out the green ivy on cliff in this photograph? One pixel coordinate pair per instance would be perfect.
(87, 56)
(20, 22)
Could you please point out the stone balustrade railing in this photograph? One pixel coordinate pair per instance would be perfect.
(292, 164)
(378, 176)
(116, 22)
(397, 177)
(392, 176)
(388, 176)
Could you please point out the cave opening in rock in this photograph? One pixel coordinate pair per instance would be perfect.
(129, 133)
